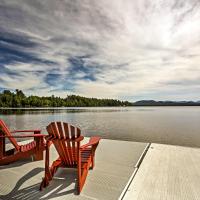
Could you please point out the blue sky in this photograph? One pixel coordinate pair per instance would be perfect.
(125, 49)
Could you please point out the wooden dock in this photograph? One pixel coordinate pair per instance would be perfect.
(167, 173)
(124, 170)
(115, 163)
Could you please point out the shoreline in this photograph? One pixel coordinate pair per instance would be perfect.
(91, 107)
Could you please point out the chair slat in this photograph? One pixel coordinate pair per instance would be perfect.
(63, 143)
(72, 129)
(66, 129)
(50, 130)
(78, 132)
(53, 130)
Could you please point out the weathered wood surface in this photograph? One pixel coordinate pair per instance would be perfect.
(167, 173)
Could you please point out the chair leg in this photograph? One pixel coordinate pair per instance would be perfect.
(2, 146)
(93, 156)
(79, 170)
(39, 147)
(47, 175)
(49, 171)
(38, 156)
(84, 173)
(92, 159)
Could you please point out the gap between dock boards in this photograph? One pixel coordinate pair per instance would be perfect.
(137, 165)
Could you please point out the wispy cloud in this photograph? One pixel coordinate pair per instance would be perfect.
(142, 49)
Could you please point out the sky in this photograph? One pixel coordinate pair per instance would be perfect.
(122, 49)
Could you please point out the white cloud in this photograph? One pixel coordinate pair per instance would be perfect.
(139, 49)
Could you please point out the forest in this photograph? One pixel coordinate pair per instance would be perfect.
(18, 99)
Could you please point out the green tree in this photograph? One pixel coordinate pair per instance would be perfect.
(19, 99)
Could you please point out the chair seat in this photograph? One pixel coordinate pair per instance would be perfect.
(27, 147)
(85, 154)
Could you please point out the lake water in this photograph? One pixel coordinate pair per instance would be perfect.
(170, 125)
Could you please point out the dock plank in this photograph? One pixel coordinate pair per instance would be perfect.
(167, 173)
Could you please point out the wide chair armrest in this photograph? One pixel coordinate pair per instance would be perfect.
(80, 138)
(92, 142)
(22, 136)
(27, 131)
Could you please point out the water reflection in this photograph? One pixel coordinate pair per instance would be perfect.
(171, 125)
(29, 111)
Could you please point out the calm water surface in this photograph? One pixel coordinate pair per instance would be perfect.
(171, 125)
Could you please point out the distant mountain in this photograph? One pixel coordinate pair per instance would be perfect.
(166, 103)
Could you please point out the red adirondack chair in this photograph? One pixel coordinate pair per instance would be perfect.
(66, 139)
(35, 148)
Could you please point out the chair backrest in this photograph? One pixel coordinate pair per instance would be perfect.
(67, 150)
(5, 130)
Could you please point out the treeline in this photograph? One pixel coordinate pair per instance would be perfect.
(19, 99)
